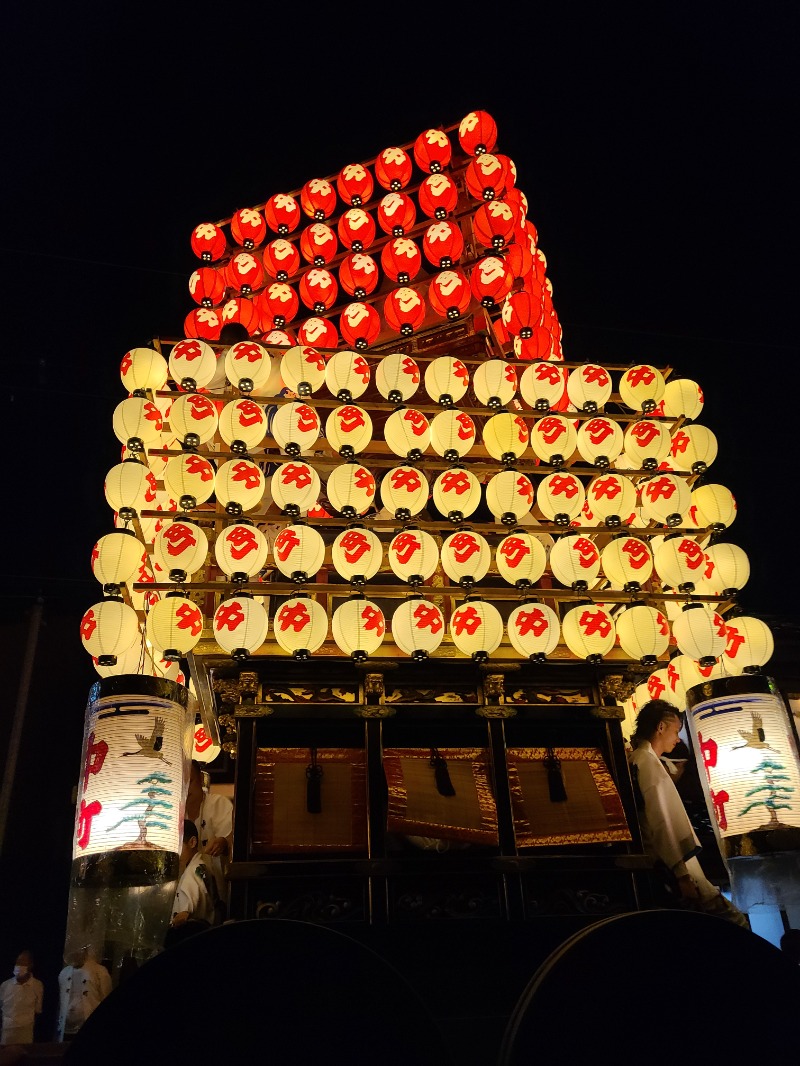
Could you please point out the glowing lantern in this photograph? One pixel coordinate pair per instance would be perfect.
(452, 434)
(242, 424)
(397, 377)
(404, 492)
(281, 259)
(413, 555)
(318, 290)
(731, 568)
(553, 439)
(494, 224)
(296, 427)
(318, 199)
(588, 631)
(240, 625)
(543, 385)
(248, 228)
(204, 749)
(643, 633)
(351, 489)
(347, 376)
(180, 549)
(509, 496)
(600, 441)
(407, 432)
(647, 443)
(494, 383)
(247, 366)
(612, 499)
(193, 419)
(432, 151)
(150, 526)
(241, 311)
(137, 423)
(299, 552)
(108, 629)
(318, 244)
(401, 260)
(589, 387)
(681, 673)
(174, 625)
(417, 627)
(519, 259)
(354, 184)
(303, 370)
(276, 305)
(491, 280)
(665, 498)
(750, 644)
(521, 559)
(627, 563)
(301, 626)
(357, 555)
(641, 388)
(486, 177)
(208, 242)
(356, 229)
(193, 364)
(534, 629)
(693, 448)
(682, 399)
(542, 344)
(443, 244)
(396, 214)
(466, 557)
(404, 311)
(143, 369)
(560, 497)
(295, 488)
(476, 629)
(712, 505)
(393, 169)
(575, 561)
(449, 294)
(203, 322)
(477, 133)
(438, 196)
(349, 430)
(506, 437)
(129, 487)
(239, 486)
(446, 380)
(358, 275)
(245, 273)
(360, 325)
(456, 494)
(115, 559)
(278, 338)
(358, 628)
(134, 661)
(241, 550)
(680, 562)
(700, 634)
(282, 214)
(189, 479)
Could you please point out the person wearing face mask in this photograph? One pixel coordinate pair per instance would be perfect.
(83, 984)
(20, 1002)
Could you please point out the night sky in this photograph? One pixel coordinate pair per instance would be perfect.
(655, 151)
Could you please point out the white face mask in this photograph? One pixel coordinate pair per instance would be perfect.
(20, 971)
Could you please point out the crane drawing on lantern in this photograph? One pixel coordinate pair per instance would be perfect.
(775, 792)
(755, 737)
(150, 747)
(154, 786)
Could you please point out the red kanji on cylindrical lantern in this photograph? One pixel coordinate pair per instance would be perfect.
(404, 311)
(360, 325)
(490, 280)
(393, 169)
(243, 311)
(277, 305)
(318, 199)
(438, 196)
(358, 275)
(443, 244)
(318, 289)
(432, 151)
(248, 228)
(282, 213)
(486, 177)
(203, 324)
(207, 287)
(449, 294)
(494, 224)
(208, 242)
(318, 331)
(318, 244)
(401, 260)
(354, 184)
(521, 312)
(356, 229)
(396, 213)
(281, 259)
(477, 133)
(245, 273)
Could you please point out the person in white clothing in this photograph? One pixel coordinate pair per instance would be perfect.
(212, 814)
(20, 1002)
(83, 984)
(196, 892)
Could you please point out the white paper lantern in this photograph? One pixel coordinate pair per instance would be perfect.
(204, 748)
(731, 568)
(647, 443)
(243, 424)
(179, 549)
(130, 487)
(681, 673)
(137, 423)
(295, 488)
(413, 555)
(417, 627)
(347, 375)
(116, 558)
(351, 489)
(750, 644)
(641, 388)
(506, 437)
(452, 434)
(554, 439)
(174, 625)
(295, 427)
(643, 633)
(560, 497)
(627, 563)
(542, 385)
(239, 486)
(407, 432)
(589, 387)
(108, 629)
(446, 380)
(534, 630)
(241, 550)
(194, 365)
(712, 505)
(665, 498)
(521, 559)
(456, 494)
(143, 369)
(509, 496)
(193, 418)
(494, 383)
(136, 660)
(240, 625)
(466, 557)
(348, 430)
(680, 563)
(700, 634)
(247, 366)
(190, 479)
(397, 377)
(299, 552)
(357, 555)
(693, 448)
(682, 399)
(575, 561)
(599, 441)
(588, 631)
(611, 499)
(404, 492)
(164, 506)
(301, 626)
(476, 629)
(358, 627)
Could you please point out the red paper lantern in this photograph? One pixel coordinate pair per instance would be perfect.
(318, 244)
(396, 213)
(510, 171)
(404, 311)
(243, 311)
(519, 259)
(449, 294)
(519, 201)
(490, 280)
(354, 184)
(202, 324)
(318, 332)
(277, 305)
(477, 133)
(248, 228)
(401, 260)
(282, 213)
(443, 244)
(279, 338)
(281, 259)
(245, 273)
(207, 287)
(486, 177)
(438, 196)
(521, 312)
(393, 169)
(208, 242)
(318, 199)
(358, 275)
(356, 229)
(540, 345)
(360, 325)
(494, 224)
(318, 290)
(432, 151)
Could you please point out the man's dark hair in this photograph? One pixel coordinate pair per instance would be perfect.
(189, 831)
(649, 717)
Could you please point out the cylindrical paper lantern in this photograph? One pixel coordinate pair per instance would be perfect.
(241, 550)
(174, 625)
(509, 496)
(180, 550)
(360, 325)
(193, 364)
(456, 494)
(589, 387)
(495, 383)
(129, 487)
(476, 629)
(351, 489)
(466, 557)
(641, 388)
(300, 626)
(413, 555)
(452, 433)
(401, 260)
(446, 380)
(693, 448)
(108, 629)
(137, 423)
(299, 552)
(347, 376)
(240, 625)
(357, 555)
(665, 499)
(404, 492)
(627, 563)
(560, 497)
(643, 633)
(303, 369)
(358, 627)
(115, 559)
(553, 439)
(193, 418)
(239, 486)
(242, 424)
(506, 437)
(143, 369)
(349, 430)
(575, 561)
(296, 427)
(407, 432)
(295, 488)
(417, 627)
(588, 631)
(534, 629)
(712, 505)
(189, 479)
(612, 499)
(700, 634)
(542, 385)
(247, 366)
(521, 559)
(477, 133)
(647, 443)
(750, 644)
(731, 567)
(682, 398)
(397, 378)
(680, 563)
(432, 151)
(600, 441)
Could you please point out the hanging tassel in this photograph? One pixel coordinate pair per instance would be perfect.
(444, 786)
(555, 779)
(314, 785)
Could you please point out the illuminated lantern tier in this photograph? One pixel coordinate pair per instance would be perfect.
(347, 375)
(438, 196)
(277, 305)
(296, 427)
(179, 550)
(404, 492)
(612, 499)
(432, 151)
(521, 559)
(116, 558)
(476, 629)
(360, 325)
(358, 628)
(477, 133)
(348, 429)
(522, 311)
(299, 552)
(466, 557)
(203, 322)
(207, 287)
(443, 244)
(397, 377)
(239, 486)
(318, 290)
(357, 555)
(533, 629)
(248, 228)
(680, 563)
(318, 244)
(407, 432)
(641, 388)
(193, 364)
(356, 230)
(143, 369)
(589, 387)
(137, 423)
(393, 169)
(358, 275)
(208, 242)
(560, 497)
(599, 441)
(189, 479)
(282, 214)
(643, 633)
(396, 214)
(665, 498)
(452, 433)
(731, 568)
(108, 629)
(240, 625)
(247, 366)
(245, 273)
(303, 370)
(647, 443)
(456, 494)
(627, 563)
(506, 437)
(241, 550)
(318, 199)
(494, 383)
(700, 634)
(486, 177)
(417, 627)
(300, 626)
(542, 386)
(295, 488)
(712, 505)
(509, 496)
(449, 294)
(174, 626)
(588, 631)
(682, 399)
(694, 448)
(750, 644)
(446, 380)
(130, 487)
(554, 439)
(404, 311)
(281, 259)
(413, 555)
(401, 260)
(575, 561)
(491, 280)
(242, 424)
(354, 184)
(351, 490)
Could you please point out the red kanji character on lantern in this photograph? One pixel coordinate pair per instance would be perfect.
(285, 543)
(709, 751)
(659, 487)
(295, 474)
(598, 429)
(525, 489)
(587, 552)
(350, 418)
(694, 555)
(592, 622)
(655, 687)
(637, 553)
(608, 487)
(464, 546)
(189, 617)
(427, 618)
(96, 752)
(416, 420)
(373, 619)
(640, 375)
(242, 541)
(363, 479)
(735, 641)
(644, 433)
(467, 618)
(550, 429)
(533, 621)
(354, 544)
(404, 546)
(514, 549)
(466, 427)
(248, 475)
(411, 369)
(229, 616)
(202, 741)
(406, 479)
(295, 615)
(88, 624)
(306, 418)
(249, 413)
(456, 481)
(719, 799)
(196, 464)
(564, 485)
(87, 812)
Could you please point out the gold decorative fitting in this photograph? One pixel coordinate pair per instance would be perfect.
(373, 688)
(617, 686)
(248, 684)
(494, 688)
